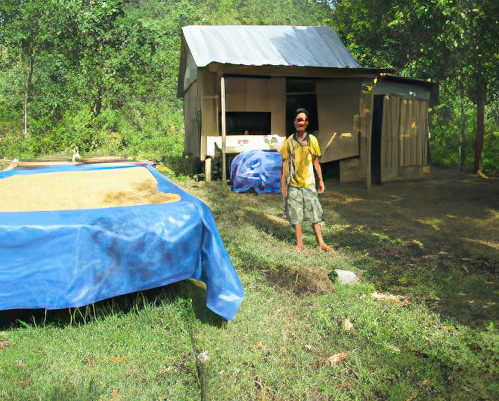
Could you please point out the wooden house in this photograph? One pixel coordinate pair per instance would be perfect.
(241, 84)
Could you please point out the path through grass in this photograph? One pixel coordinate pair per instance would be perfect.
(297, 336)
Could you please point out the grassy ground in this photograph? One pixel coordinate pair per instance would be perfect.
(297, 335)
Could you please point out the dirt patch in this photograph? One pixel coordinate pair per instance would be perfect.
(437, 237)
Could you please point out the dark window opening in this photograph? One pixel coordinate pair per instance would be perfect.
(249, 123)
(331, 170)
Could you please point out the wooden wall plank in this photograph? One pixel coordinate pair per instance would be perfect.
(402, 131)
(236, 94)
(390, 137)
(425, 137)
(396, 103)
(277, 105)
(385, 137)
(192, 120)
(257, 94)
(337, 107)
(210, 104)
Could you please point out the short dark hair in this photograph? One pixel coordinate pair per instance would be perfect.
(301, 110)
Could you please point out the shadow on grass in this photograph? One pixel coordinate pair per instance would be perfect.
(283, 267)
(275, 226)
(124, 304)
(69, 391)
(294, 280)
(435, 238)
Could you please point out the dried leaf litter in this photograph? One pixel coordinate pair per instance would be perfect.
(81, 190)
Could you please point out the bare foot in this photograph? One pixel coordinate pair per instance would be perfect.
(326, 248)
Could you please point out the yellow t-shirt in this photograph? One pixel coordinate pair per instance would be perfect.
(298, 156)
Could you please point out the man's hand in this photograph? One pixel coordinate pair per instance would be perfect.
(321, 187)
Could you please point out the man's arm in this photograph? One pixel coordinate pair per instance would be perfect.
(284, 180)
(317, 166)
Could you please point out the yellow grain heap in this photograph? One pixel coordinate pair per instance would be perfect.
(81, 190)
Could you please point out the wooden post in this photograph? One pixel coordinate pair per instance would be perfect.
(368, 158)
(366, 115)
(224, 130)
(207, 169)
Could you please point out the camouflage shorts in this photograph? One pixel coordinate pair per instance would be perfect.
(303, 204)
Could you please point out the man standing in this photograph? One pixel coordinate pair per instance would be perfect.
(300, 153)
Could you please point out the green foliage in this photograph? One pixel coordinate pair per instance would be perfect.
(452, 43)
(491, 145)
(102, 75)
(445, 128)
(152, 131)
(144, 354)
(400, 348)
(104, 66)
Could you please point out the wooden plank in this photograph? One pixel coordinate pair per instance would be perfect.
(425, 138)
(277, 105)
(419, 133)
(411, 172)
(351, 171)
(291, 71)
(257, 94)
(207, 169)
(386, 139)
(395, 100)
(192, 118)
(390, 141)
(412, 131)
(338, 107)
(210, 98)
(366, 108)
(410, 134)
(236, 94)
(224, 130)
(391, 110)
(402, 131)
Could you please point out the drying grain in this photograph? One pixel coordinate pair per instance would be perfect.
(81, 190)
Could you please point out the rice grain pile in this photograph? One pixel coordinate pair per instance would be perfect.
(81, 190)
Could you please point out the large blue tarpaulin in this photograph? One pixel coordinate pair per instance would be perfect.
(72, 258)
(257, 170)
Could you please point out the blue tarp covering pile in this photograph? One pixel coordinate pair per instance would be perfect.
(72, 258)
(258, 170)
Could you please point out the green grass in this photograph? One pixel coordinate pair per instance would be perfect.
(279, 345)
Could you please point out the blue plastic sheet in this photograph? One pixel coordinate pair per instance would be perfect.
(258, 170)
(73, 258)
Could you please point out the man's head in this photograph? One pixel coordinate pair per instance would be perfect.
(301, 121)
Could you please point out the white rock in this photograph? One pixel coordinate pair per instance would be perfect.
(346, 277)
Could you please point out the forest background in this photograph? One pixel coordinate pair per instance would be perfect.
(101, 76)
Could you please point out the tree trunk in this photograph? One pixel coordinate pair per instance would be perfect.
(480, 129)
(25, 115)
(27, 95)
(463, 131)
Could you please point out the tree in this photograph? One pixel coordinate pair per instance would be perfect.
(23, 27)
(436, 39)
(480, 51)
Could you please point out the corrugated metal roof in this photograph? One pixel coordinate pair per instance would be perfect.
(252, 45)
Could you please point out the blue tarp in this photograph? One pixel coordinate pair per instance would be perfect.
(258, 170)
(72, 258)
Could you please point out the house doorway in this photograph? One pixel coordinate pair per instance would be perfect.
(300, 93)
(376, 139)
